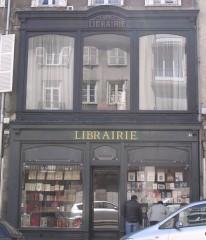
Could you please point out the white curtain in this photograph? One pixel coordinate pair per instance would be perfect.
(50, 65)
(163, 81)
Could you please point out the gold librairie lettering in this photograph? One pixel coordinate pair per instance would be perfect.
(107, 21)
(106, 135)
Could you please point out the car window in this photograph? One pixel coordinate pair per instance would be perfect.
(98, 205)
(169, 224)
(108, 205)
(193, 216)
(80, 206)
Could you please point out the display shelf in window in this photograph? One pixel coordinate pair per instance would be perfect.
(151, 184)
(48, 198)
(131, 176)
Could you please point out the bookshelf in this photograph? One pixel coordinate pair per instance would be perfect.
(49, 193)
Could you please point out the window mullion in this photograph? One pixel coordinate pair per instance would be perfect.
(88, 92)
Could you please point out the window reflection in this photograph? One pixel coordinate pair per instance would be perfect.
(106, 198)
(106, 83)
(50, 72)
(163, 80)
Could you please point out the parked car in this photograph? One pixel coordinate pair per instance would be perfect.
(187, 223)
(105, 214)
(8, 232)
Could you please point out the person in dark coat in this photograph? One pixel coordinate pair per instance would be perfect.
(133, 215)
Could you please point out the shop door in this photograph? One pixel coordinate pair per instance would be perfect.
(105, 203)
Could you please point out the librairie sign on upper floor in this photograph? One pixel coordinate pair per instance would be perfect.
(107, 21)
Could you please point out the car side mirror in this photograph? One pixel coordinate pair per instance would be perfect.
(178, 225)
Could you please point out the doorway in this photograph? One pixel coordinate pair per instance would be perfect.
(105, 203)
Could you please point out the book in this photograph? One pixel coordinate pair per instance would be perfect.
(32, 175)
(140, 176)
(161, 176)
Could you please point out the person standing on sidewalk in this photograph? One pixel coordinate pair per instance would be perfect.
(133, 215)
(156, 213)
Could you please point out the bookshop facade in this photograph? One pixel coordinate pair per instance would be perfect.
(107, 107)
(74, 182)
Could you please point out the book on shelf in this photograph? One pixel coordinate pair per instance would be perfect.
(58, 175)
(140, 176)
(161, 176)
(32, 175)
(50, 176)
(76, 175)
(41, 175)
(68, 175)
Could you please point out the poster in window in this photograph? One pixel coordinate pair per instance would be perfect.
(183, 184)
(139, 186)
(161, 176)
(178, 176)
(168, 194)
(170, 177)
(150, 174)
(170, 186)
(131, 176)
(140, 176)
(161, 186)
(129, 187)
(154, 186)
(163, 194)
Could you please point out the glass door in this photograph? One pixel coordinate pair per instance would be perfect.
(105, 195)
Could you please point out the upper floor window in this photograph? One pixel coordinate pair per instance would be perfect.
(116, 91)
(49, 56)
(105, 2)
(169, 65)
(89, 92)
(162, 2)
(91, 56)
(2, 3)
(162, 71)
(52, 94)
(112, 93)
(50, 72)
(49, 3)
(117, 56)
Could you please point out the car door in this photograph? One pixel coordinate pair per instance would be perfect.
(190, 224)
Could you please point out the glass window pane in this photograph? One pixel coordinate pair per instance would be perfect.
(163, 79)
(194, 216)
(107, 63)
(163, 175)
(50, 64)
(106, 199)
(52, 196)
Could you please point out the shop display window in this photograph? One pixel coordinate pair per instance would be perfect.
(50, 194)
(152, 184)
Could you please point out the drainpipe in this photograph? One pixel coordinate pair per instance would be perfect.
(2, 116)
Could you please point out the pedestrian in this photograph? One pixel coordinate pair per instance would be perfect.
(156, 213)
(133, 215)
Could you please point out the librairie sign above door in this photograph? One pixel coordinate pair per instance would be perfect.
(106, 135)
